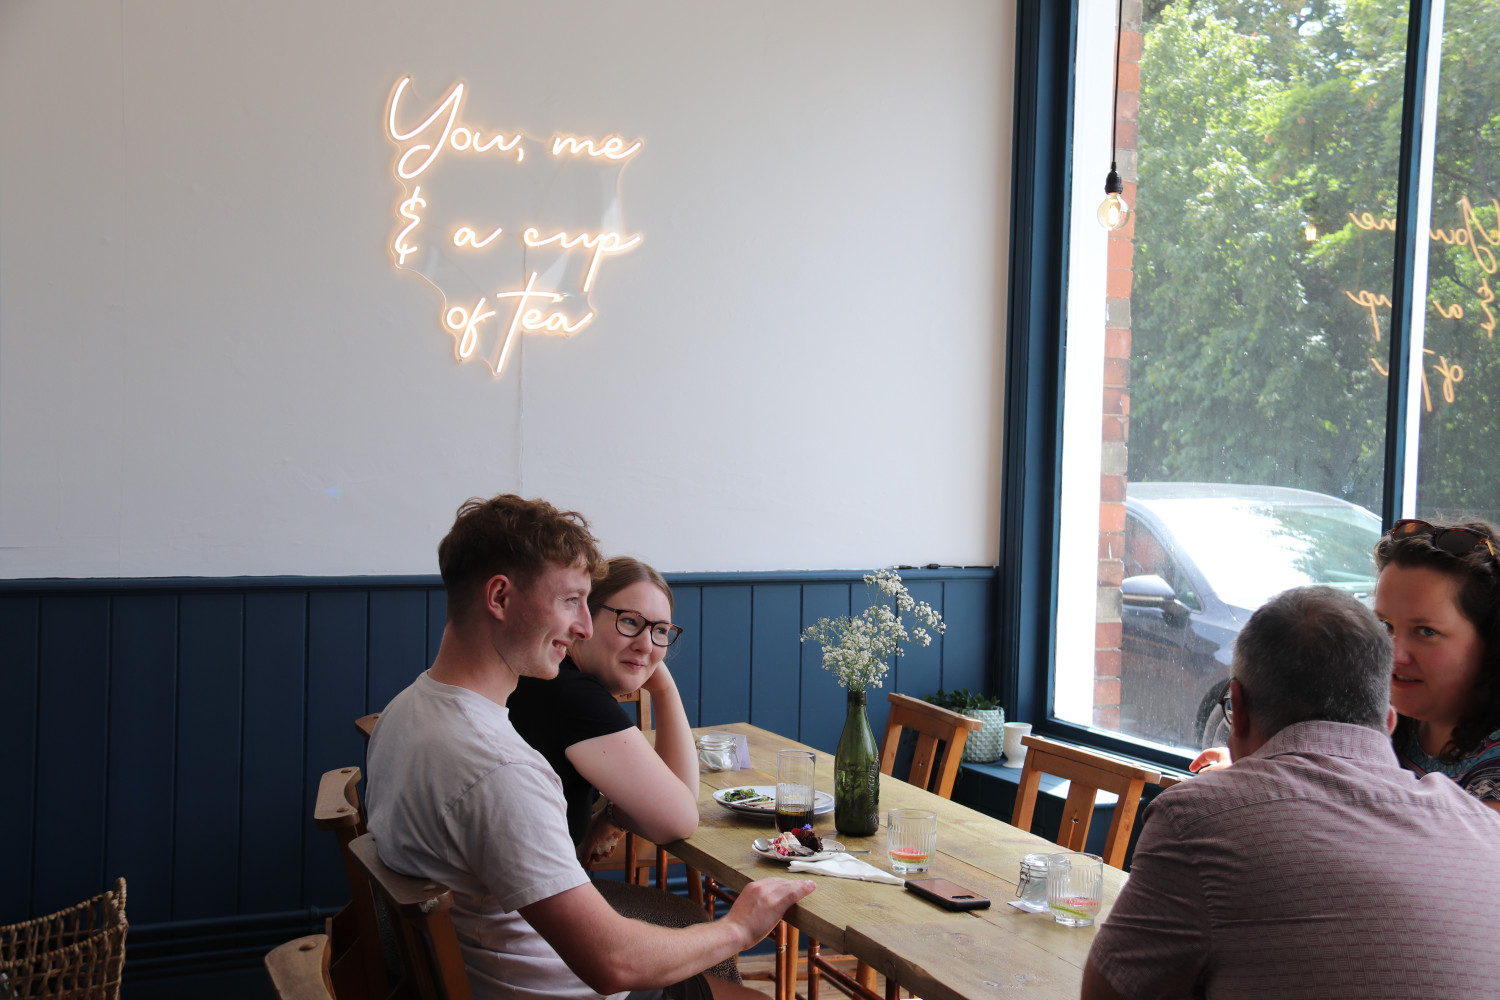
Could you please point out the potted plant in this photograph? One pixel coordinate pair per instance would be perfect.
(988, 742)
(859, 649)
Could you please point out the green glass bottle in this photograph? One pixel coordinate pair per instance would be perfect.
(856, 774)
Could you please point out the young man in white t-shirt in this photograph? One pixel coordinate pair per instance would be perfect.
(456, 795)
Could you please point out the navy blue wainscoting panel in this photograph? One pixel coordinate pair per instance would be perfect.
(685, 656)
(776, 657)
(920, 671)
(72, 750)
(823, 702)
(437, 613)
(210, 691)
(271, 796)
(337, 671)
(724, 684)
(968, 644)
(398, 639)
(174, 731)
(142, 752)
(18, 695)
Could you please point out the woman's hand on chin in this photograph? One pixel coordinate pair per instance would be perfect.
(658, 680)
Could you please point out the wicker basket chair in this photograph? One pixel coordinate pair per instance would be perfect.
(77, 953)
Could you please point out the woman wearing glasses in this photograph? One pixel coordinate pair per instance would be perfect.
(1439, 596)
(576, 723)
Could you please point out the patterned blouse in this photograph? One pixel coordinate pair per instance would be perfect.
(1478, 773)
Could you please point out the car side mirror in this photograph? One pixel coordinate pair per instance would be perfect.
(1151, 591)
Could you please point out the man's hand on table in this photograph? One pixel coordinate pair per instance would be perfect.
(761, 904)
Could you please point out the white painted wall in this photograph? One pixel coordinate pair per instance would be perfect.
(210, 365)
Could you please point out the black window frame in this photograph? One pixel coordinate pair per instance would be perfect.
(1036, 330)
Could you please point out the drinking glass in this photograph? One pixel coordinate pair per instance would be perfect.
(794, 789)
(910, 839)
(1075, 887)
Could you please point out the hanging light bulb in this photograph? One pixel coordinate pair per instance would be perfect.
(1113, 211)
(1310, 230)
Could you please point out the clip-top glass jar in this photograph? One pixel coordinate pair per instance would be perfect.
(720, 752)
(1031, 887)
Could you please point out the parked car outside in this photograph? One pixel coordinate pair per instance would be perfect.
(1199, 559)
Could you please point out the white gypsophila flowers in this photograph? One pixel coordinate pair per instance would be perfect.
(859, 649)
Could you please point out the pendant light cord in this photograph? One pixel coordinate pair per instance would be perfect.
(1114, 128)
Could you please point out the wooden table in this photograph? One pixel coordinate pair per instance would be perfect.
(934, 953)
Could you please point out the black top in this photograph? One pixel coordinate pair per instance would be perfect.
(553, 715)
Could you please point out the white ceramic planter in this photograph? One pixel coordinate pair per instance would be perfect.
(986, 744)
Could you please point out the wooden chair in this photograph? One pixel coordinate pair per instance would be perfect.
(299, 969)
(432, 966)
(1087, 772)
(636, 869)
(356, 956)
(941, 735)
(642, 702)
(366, 724)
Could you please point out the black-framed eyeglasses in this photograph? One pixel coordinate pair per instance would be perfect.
(1227, 705)
(633, 623)
(1454, 541)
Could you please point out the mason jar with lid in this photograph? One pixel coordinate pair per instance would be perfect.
(720, 752)
(1031, 887)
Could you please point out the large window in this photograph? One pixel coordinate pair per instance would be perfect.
(1225, 400)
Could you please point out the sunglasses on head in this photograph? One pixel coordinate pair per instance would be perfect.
(1454, 541)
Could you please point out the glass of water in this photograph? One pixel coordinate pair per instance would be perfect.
(910, 839)
(1075, 887)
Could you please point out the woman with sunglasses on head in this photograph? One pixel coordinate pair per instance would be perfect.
(1438, 594)
(576, 723)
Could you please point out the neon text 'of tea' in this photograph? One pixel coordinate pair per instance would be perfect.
(465, 322)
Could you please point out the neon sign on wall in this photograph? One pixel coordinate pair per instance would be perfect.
(512, 231)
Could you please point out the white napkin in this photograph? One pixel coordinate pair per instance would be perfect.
(743, 743)
(845, 866)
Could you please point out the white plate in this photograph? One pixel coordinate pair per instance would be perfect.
(822, 801)
(762, 846)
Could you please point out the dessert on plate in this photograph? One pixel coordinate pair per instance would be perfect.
(798, 843)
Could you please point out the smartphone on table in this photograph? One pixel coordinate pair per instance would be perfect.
(948, 895)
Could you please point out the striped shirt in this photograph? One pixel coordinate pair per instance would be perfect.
(1315, 867)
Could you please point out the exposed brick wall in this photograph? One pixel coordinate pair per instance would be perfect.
(1116, 423)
